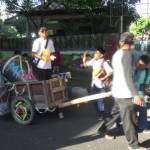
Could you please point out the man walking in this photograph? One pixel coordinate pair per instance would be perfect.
(124, 92)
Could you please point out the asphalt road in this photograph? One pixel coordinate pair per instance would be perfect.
(77, 131)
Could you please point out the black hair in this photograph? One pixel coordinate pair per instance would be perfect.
(145, 59)
(42, 29)
(17, 52)
(100, 49)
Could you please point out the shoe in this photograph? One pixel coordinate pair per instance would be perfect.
(146, 131)
(105, 135)
(139, 148)
(109, 137)
(61, 115)
(101, 116)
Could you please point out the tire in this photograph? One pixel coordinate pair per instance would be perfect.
(22, 110)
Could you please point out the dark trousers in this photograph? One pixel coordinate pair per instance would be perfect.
(127, 111)
(129, 118)
(42, 74)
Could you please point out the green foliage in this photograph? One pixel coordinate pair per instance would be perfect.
(7, 30)
(140, 26)
(18, 5)
(93, 9)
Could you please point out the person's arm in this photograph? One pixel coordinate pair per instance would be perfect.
(108, 71)
(106, 76)
(137, 99)
(84, 59)
(36, 49)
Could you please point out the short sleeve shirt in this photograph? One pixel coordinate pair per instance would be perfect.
(96, 67)
(38, 46)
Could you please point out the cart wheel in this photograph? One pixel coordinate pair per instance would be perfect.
(22, 110)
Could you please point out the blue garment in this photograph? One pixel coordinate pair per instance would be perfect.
(141, 77)
(100, 102)
(142, 119)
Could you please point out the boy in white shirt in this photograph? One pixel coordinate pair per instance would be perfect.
(42, 51)
(101, 71)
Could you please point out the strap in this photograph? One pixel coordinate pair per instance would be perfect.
(41, 51)
(102, 67)
(46, 43)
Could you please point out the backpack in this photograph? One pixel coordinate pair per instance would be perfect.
(108, 81)
(146, 87)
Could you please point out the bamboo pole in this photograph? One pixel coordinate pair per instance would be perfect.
(85, 99)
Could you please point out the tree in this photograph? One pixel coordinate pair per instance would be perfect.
(109, 10)
(14, 6)
(7, 31)
(140, 26)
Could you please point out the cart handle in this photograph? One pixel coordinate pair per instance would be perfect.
(85, 99)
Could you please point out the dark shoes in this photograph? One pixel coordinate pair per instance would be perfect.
(103, 133)
(106, 136)
(101, 115)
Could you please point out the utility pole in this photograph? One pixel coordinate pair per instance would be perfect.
(110, 12)
(121, 18)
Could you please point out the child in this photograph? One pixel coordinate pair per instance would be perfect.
(101, 71)
(43, 54)
(141, 80)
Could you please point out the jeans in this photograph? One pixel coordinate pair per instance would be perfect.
(100, 103)
(142, 119)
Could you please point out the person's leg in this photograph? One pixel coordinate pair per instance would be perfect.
(108, 124)
(100, 107)
(142, 119)
(128, 116)
(48, 74)
(114, 116)
(99, 103)
(94, 90)
(39, 74)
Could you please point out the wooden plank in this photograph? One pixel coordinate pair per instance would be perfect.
(85, 99)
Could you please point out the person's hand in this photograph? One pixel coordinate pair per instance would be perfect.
(52, 57)
(137, 100)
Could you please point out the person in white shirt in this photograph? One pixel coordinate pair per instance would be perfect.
(101, 71)
(42, 51)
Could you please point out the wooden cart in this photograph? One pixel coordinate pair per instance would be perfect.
(41, 96)
(26, 95)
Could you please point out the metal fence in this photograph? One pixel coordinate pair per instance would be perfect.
(61, 42)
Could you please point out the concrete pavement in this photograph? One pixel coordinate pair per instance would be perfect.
(77, 131)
